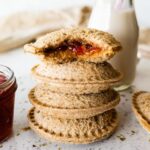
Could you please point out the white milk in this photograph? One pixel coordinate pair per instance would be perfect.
(123, 26)
(122, 23)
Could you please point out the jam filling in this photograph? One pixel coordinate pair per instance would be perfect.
(81, 49)
(78, 48)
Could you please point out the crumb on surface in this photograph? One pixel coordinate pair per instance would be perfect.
(121, 137)
(90, 149)
(18, 134)
(126, 114)
(133, 132)
(26, 128)
(43, 144)
(59, 148)
(1, 146)
(34, 145)
(130, 92)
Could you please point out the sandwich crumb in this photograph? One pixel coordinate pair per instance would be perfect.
(43, 144)
(121, 137)
(34, 145)
(126, 114)
(1, 146)
(133, 132)
(17, 134)
(59, 148)
(26, 129)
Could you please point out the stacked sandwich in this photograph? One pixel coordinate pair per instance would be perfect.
(73, 101)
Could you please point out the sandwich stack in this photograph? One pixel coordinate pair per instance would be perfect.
(73, 101)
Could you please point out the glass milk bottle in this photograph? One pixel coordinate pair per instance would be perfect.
(118, 17)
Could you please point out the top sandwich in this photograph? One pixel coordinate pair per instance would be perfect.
(71, 44)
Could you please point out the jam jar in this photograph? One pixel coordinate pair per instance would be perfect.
(8, 88)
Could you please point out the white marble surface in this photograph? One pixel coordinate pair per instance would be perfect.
(136, 138)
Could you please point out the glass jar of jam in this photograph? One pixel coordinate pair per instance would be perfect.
(8, 87)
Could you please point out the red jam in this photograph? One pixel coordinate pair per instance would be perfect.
(8, 87)
(78, 48)
(81, 50)
(2, 78)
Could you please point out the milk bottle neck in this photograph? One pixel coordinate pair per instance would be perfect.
(103, 11)
(123, 4)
